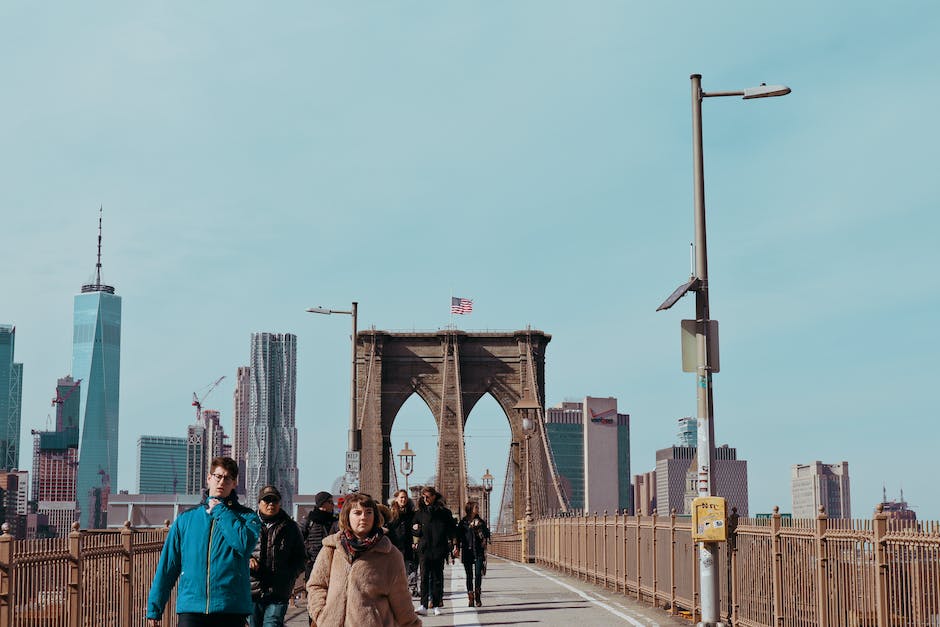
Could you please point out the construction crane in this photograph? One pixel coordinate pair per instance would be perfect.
(197, 400)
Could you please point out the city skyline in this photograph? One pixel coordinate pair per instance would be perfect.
(509, 155)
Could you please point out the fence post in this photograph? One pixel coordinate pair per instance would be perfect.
(127, 573)
(880, 530)
(776, 571)
(655, 562)
(604, 549)
(733, 566)
(672, 561)
(636, 552)
(822, 569)
(75, 576)
(6, 577)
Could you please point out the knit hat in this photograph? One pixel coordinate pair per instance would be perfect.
(321, 498)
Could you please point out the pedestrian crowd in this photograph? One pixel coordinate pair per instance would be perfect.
(234, 566)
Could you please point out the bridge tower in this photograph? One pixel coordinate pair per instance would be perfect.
(451, 370)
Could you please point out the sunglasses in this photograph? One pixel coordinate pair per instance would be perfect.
(271, 500)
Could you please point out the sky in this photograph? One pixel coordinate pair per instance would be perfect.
(255, 160)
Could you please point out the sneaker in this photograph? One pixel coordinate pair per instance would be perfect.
(421, 611)
(437, 611)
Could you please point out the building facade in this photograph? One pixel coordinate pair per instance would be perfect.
(272, 434)
(96, 362)
(240, 408)
(590, 443)
(675, 479)
(11, 393)
(818, 485)
(161, 465)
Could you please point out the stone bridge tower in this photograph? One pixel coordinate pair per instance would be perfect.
(451, 370)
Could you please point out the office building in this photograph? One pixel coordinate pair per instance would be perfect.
(14, 485)
(161, 465)
(55, 460)
(590, 444)
(240, 409)
(205, 441)
(818, 484)
(96, 362)
(676, 480)
(272, 435)
(11, 388)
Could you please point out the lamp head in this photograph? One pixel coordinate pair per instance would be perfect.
(766, 91)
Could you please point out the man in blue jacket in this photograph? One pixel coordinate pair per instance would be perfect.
(208, 549)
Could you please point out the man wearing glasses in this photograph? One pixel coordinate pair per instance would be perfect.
(208, 549)
(276, 561)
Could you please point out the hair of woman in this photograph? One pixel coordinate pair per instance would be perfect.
(470, 509)
(366, 502)
(398, 510)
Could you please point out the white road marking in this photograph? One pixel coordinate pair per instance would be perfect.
(582, 594)
(463, 616)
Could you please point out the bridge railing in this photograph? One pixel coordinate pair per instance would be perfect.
(776, 571)
(88, 579)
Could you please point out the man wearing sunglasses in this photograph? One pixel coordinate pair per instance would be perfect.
(208, 549)
(277, 560)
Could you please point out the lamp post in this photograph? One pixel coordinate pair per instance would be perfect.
(355, 435)
(406, 459)
(526, 406)
(487, 488)
(706, 341)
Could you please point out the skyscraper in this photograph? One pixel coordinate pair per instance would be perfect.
(676, 479)
(11, 387)
(822, 484)
(272, 436)
(205, 442)
(161, 464)
(55, 459)
(241, 407)
(96, 361)
(590, 443)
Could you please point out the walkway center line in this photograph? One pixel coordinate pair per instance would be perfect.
(581, 594)
(463, 616)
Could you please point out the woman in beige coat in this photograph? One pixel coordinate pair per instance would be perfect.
(359, 576)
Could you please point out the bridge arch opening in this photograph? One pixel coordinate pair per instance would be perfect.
(414, 423)
(487, 440)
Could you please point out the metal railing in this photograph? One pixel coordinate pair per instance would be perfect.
(88, 579)
(803, 573)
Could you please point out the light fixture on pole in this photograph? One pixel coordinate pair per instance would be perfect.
(406, 459)
(487, 488)
(355, 435)
(527, 406)
(703, 334)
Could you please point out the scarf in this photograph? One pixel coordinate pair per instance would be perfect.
(355, 547)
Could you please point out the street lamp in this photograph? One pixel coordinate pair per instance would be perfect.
(705, 334)
(355, 435)
(526, 406)
(487, 488)
(406, 460)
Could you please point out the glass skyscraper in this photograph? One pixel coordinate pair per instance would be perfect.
(161, 465)
(272, 435)
(96, 361)
(11, 378)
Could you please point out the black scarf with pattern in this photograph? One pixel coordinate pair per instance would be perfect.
(355, 547)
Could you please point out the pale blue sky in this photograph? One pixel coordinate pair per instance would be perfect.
(534, 156)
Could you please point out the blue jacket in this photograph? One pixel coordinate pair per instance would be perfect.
(209, 555)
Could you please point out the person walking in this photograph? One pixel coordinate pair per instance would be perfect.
(359, 577)
(320, 523)
(277, 560)
(435, 529)
(208, 549)
(472, 536)
(400, 533)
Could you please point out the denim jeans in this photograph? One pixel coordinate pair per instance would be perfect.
(268, 614)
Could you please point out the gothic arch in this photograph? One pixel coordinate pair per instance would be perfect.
(451, 370)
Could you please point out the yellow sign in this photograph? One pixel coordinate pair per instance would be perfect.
(708, 519)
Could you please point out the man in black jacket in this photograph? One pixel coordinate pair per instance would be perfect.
(277, 560)
(435, 528)
(320, 523)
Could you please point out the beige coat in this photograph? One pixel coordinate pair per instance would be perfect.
(372, 591)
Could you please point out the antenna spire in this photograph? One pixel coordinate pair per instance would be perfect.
(98, 265)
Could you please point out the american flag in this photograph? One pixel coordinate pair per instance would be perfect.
(460, 305)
